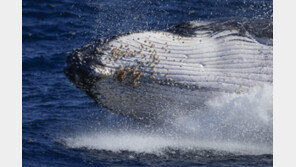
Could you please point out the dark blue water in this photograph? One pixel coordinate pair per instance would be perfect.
(55, 111)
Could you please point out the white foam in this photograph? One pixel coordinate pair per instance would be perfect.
(238, 123)
(157, 144)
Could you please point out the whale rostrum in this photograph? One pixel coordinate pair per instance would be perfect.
(143, 74)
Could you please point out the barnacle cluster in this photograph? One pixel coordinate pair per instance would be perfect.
(146, 61)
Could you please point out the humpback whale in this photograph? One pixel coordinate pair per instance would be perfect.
(142, 74)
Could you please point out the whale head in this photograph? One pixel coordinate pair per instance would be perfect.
(84, 67)
(145, 74)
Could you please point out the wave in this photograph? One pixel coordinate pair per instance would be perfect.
(234, 123)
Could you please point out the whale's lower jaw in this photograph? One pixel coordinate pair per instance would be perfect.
(144, 74)
(150, 103)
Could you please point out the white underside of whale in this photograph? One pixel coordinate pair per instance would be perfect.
(179, 71)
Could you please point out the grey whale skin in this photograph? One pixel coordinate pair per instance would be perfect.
(144, 74)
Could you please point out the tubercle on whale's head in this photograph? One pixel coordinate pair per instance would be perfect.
(84, 67)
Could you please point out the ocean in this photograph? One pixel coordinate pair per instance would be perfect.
(62, 126)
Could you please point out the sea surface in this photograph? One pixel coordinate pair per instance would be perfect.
(62, 126)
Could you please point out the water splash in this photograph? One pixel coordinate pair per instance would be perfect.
(236, 123)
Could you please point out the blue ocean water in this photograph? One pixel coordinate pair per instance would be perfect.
(64, 127)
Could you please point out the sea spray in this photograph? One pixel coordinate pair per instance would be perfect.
(235, 123)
